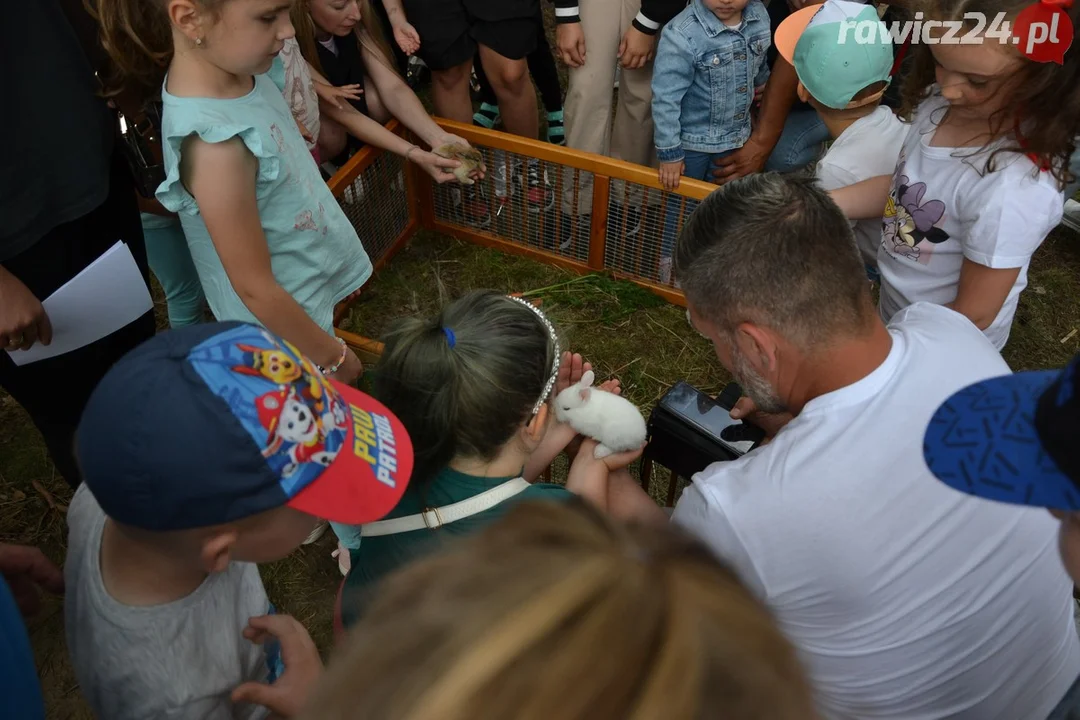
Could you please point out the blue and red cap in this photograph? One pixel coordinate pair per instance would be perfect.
(209, 424)
(1013, 439)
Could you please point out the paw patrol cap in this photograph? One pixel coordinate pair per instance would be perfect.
(1012, 439)
(838, 48)
(212, 423)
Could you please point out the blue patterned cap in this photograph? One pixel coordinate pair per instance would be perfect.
(209, 424)
(1014, 439)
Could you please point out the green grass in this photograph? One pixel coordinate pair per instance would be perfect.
(623, 330)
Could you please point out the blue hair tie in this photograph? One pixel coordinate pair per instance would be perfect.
(449, 336)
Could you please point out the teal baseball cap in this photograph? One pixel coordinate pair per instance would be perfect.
(838, 48)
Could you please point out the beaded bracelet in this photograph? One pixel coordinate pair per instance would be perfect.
(341, 360)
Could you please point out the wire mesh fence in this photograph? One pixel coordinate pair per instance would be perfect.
(518, 201)
(548, 206)
(378, 204)
(534, 196)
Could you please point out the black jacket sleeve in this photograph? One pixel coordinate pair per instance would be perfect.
(566, 11)
(653, 15)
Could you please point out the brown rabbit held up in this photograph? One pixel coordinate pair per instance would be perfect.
(470, 159)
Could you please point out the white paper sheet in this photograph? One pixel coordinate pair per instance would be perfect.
(109, 294)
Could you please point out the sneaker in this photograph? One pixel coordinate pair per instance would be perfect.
(574, 227)
(665, 271)
(540, 193)
(474, 84)
(469, 200)
(618, 214)
(344, 560)
(316, 532)
(487, 116)
(1071, 218)
(504, 186)
(556, 132)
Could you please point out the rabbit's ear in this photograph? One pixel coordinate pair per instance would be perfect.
(587, 379)
(585, 393)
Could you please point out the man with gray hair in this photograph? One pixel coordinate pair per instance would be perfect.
(906, 600)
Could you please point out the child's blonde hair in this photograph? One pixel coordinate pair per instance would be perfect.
(1046, 96)
(558, 612)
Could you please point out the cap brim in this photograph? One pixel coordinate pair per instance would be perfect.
(982, 441)
(791, 29)
(370, 472)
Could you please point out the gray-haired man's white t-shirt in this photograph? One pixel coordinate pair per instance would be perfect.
(178, 660)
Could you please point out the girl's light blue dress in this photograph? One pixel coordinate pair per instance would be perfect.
(315, 253)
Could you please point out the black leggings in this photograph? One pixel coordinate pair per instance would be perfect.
(541, 67)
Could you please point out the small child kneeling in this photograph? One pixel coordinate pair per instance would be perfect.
(206, 450)
(711, 56)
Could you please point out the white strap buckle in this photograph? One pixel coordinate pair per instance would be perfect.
(432, 518)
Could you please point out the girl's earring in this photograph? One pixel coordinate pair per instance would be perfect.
(198, 41)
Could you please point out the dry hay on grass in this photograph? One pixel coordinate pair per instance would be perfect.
(623, 330)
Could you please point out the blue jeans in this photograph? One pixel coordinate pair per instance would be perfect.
(800, 142)
(699, 167)
(170, 261)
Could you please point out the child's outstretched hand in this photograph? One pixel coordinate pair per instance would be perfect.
(670, 174)
(303, 666)
(334, 95)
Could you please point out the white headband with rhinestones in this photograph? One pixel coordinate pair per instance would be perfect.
(558, 353)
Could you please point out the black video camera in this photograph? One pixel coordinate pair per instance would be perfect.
(688, 430)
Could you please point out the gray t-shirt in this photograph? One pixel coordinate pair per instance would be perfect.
(178, 660)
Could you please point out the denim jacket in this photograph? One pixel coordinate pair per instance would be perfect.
(704, 78)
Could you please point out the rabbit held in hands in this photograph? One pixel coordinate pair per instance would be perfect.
(613, 421)
(470, 159)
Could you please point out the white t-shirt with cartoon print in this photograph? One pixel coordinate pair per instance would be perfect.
(944, 207)
(868, 148)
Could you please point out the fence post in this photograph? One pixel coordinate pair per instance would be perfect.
(598, 230)
(422, 188)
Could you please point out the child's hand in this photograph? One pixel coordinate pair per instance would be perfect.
(406, 36)
(758, 93)
(303, 666)
(334, 95)
(670, 173)
(439, 168)
(589, 477)
(571, 368)
(452, 139)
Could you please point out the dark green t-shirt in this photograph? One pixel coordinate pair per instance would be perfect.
(380, 555)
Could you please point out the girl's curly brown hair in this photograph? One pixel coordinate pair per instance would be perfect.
(1046, 96)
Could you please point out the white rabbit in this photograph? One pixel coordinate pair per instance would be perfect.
(610, 419)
